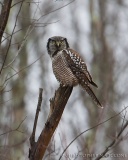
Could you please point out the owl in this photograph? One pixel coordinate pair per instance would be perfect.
(69, 67)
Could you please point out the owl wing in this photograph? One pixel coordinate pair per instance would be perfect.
(78, 66)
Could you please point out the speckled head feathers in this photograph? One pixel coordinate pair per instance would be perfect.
(55, 44)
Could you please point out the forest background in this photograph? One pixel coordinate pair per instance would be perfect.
(98, 30)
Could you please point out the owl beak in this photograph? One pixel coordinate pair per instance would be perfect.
(58, 43)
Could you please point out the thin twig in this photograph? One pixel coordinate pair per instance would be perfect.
(31, 28)
(56, 9)
(10, 39)
(113, 142)
(58, 104)
(23, 68)
(32, 138)
(89, 130)
(16, 129)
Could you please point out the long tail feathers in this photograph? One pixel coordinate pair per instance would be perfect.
(91, 93)
(94, 84)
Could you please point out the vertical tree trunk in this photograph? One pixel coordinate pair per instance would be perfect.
(19, 85)
(103, 66)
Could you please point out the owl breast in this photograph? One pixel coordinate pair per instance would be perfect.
(62, 71)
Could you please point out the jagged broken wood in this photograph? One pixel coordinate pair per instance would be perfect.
(57, 105)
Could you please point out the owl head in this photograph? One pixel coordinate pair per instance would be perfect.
(56, 44)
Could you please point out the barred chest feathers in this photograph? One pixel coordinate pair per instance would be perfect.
(62, 71)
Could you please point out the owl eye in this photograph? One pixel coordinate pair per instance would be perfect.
(53, 42)
(62, 42)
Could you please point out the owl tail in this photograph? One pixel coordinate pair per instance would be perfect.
(92, 95)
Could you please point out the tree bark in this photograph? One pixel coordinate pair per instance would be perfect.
(57, 105)
(6, 6)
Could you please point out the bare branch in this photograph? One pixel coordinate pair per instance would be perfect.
(31, 28)
(23, 68)
(57, 105)
(113, 143)
(91, 129)
(10, 39)
(32, 138)
(56, 9)
(16, 129)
